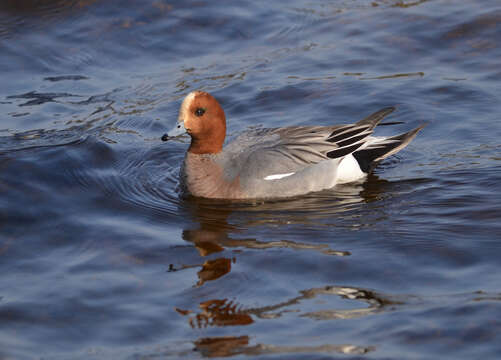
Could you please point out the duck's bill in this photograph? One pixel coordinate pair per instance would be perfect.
(176, 131)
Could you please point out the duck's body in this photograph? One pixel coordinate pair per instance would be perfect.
(279, 162)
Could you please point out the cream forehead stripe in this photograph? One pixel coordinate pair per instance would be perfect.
(186, 105)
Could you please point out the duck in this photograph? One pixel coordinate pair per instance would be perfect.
(280, 162)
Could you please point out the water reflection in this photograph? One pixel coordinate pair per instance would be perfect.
(222, 312)
(215, 228)
(227, 346)
(213, 269)
(229, 313)
(218, 313)
(215, 225)
(215, 220)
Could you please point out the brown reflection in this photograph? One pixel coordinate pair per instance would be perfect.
(231, 345)
(213, 269)
(222, 346)
(210, 269)
(224, 313)
(218, 313)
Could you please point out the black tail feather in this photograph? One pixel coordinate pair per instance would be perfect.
(373, 119)
(369, 157)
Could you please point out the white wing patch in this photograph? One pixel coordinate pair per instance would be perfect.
(277, 176)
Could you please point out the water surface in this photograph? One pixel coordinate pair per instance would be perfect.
(101, 258)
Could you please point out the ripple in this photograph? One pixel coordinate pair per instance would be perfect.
(105, 258)
(141, 178)
(29, 15)
(35, 98)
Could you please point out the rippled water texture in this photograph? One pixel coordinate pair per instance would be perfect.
(102, 259)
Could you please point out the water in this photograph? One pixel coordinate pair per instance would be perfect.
(100, 256)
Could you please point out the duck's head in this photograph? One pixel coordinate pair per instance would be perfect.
(201, 116)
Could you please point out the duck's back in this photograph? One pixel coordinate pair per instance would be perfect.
(279, 162)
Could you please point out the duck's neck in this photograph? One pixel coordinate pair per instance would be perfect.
(204, 147)
(209, 143)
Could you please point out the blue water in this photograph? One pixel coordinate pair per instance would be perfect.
(102, 258)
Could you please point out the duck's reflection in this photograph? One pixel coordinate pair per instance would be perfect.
(213, 269)
(216, 229)
(228, 313)
(210, 234)
(227, 346)
(217, 313)
(213, 231)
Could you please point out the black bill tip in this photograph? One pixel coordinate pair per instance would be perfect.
(165, 137)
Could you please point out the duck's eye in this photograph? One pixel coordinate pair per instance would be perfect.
(199, 111)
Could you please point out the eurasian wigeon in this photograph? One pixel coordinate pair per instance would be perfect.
(275, 162)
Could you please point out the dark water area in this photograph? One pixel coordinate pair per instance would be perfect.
(100, 256)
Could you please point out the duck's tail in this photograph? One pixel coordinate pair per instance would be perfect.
(380, 148)
(374, 119)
